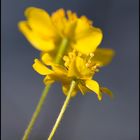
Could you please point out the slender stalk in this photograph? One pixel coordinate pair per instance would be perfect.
(37, 111)
(63, 109)
(61, 50)
(35, 115)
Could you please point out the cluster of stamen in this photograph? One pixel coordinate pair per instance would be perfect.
(91, 65)
(67, 59)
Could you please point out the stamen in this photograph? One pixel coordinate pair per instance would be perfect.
(87, 65)
(92, 65)
(98, 65)
(95, 67)
(91, 55)
(96, 70)
(89, 61)
(79, 54)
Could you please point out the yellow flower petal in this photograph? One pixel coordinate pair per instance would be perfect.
(89, 42)
(36, 40)
(65, 89)
(59, 70)
(47, 58)
(107, 91)
(40, 21)
(40, 68)
(59, 73)
(48, 80)
(59, 21)
(71, 15)
(93, 86)
(58, 15)
(72, 69)
(70, 29)
(83, 26)
(103, 56)
(80, 65)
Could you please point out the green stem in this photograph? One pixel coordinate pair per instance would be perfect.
(63, 109)
(35, 115)
(61, 50)
(37, 111)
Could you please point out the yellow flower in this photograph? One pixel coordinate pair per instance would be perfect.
(78, 67)
(46, 32)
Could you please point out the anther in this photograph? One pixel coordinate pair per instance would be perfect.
(98, 65)
(91, 55)
(87, 65)
(96, 70)
(95, 66)
(79, 54)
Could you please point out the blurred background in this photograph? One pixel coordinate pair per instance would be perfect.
(86, 118)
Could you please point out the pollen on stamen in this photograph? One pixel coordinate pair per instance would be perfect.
(79, 54)
(95, 67)
(98, 65)
(91, 55)
(97, 70)
(87, 65)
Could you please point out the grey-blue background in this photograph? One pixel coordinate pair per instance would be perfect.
(86, 118)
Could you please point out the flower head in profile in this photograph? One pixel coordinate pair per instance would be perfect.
(78, 67)
(72, 38)
(69, 55)
(46, 32)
